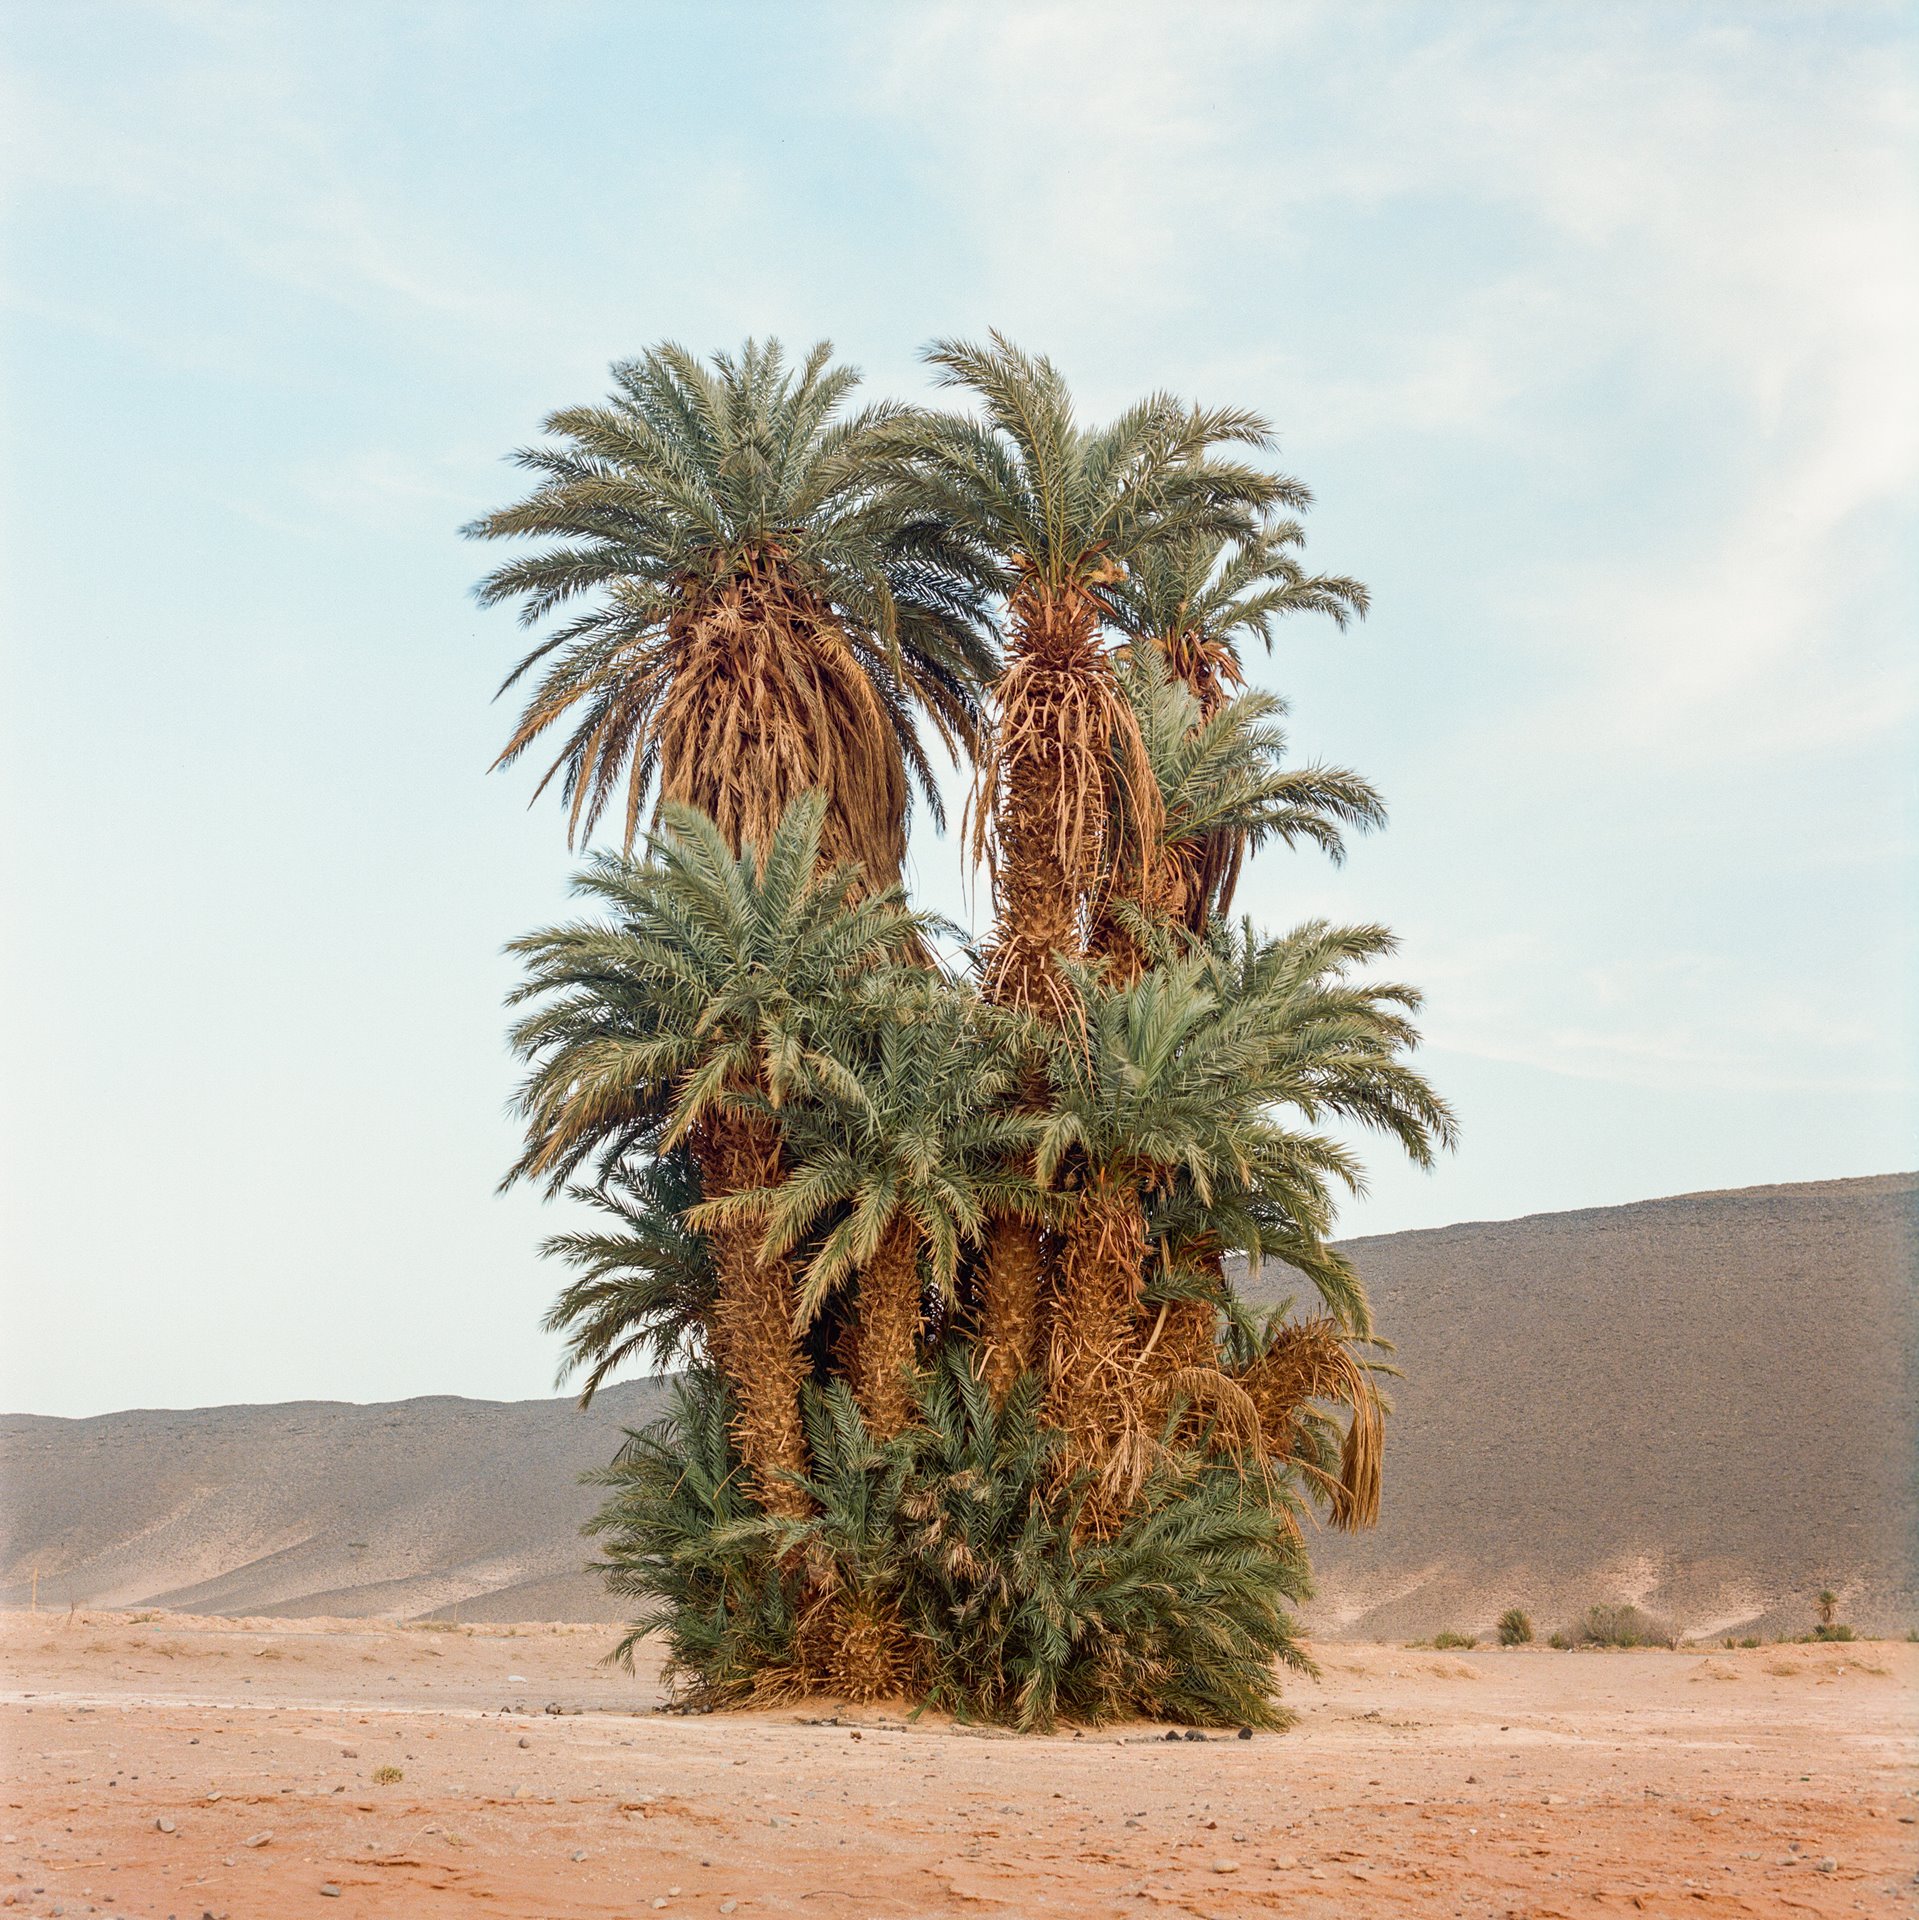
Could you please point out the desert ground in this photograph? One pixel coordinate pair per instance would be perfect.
(177, 1766)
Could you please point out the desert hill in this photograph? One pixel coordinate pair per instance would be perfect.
(1707, 1404)
(314, 1507)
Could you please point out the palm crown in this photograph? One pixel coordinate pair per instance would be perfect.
(1192, 599)
(704, 988)
(1224, 792)
(1052, 513)
(767, 615)
(687, 1019)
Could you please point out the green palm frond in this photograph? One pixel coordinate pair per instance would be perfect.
(1028, 490)
(1195, 599)
(706, 984)
(692, 475)
(642, 1291)
(958, 1544)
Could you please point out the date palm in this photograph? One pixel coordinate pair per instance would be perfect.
(1224, 792)
(1189, 604)
(1199, 1073)
(764, 617)
(1053, 513)
(895, 1158)
(683, 1019)
(1193, 601)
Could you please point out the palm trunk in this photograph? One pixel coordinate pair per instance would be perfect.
(1009, 1304)
(1057, 703)
(889, 1324)
(1051, 774)
(753, 1314)
(1094, 1339)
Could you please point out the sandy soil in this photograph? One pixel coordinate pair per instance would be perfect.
(191, 1767)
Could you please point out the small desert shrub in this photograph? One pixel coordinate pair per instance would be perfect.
(387, 1776)
(952, 1566)
(1561, 1639)
(1622, 1626)
(1447, 1641)
(1515, 1628)
(1834, 1630)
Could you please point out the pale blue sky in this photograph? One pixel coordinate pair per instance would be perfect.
(1590, 326)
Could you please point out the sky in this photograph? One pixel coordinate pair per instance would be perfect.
(1589, 327)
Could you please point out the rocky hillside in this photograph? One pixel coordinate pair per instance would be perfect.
(1708, 1405)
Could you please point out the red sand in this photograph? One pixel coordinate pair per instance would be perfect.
(171, 1766)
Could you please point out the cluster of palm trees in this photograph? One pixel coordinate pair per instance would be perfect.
(849, 1184)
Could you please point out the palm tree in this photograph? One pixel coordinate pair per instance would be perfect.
(1178, 1077)
(1223, 793)
(1053, 513)
(1187, 604)
(684, 1020)
(894, 1160)
(765, 617)
(1192, 600)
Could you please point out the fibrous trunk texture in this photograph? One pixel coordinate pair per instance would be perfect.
(753, 1313)
(889, 1324)
(1064, 739)
(1094, 1337)
(1064, 736)
(1009, 1305)
(765, 700)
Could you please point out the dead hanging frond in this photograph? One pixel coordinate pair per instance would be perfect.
(1063, 761)
(765, 700)
(1304, 1366)
(666, 518)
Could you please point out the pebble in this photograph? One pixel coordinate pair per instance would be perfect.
(524, 1741)
(729, 1906)
(329, 1891)
(1829, 1865)
(1225, 1866)
(580, 1856)
(164, 1825)
(259, 1839)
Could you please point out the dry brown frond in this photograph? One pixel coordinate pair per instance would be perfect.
(1314, 1360)
(764, 701)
